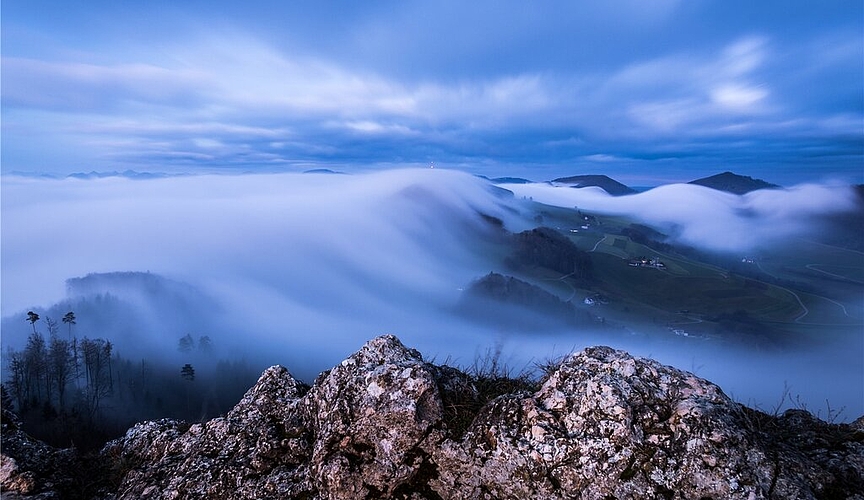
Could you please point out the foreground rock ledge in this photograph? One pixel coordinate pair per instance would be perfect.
(383, 424)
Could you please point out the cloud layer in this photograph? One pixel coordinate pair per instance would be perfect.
(706, 218)
(295, 255)
(498, 88)
(301, 269)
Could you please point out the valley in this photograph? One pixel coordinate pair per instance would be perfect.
(298, 268)
(775, 297)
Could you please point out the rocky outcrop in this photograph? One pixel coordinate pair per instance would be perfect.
(386, 424)
(32, 469)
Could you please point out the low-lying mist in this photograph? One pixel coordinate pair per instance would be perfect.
(706, 218)
(301, 269)
(298, 266)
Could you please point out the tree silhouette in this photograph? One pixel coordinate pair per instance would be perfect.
(205, 345)
(96, 356)
(69, 319)
(188, 374)
(60, 364)
(186, 343)
(32, 317)
(53, 327)
(17, 376)
(36, 367)
(5, 399)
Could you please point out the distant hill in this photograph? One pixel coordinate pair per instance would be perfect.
(606, 183)
(129, 174)
(500, 300)
(322, 171)
(733, 183)
(137, 311)
(511, 180)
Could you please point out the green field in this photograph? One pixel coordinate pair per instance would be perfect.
(801, 288)
(809, 260)
(702, 291)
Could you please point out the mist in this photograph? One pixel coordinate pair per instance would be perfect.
(299, 261)
(302, 269)
(706, 218)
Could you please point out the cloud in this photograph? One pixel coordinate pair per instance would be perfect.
(301, 269)
(706, 218)
(385, 86)
(700, 97)
(375, 128)
(388, 232)
(74, 86)
(298, 267)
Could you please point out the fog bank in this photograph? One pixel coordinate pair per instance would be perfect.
(301, 269)
(302, 263)
(706, 218)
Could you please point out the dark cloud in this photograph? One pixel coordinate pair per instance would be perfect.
(668, 84)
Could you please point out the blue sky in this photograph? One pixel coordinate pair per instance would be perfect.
(646, 91)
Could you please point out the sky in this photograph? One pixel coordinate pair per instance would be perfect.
(646, 91)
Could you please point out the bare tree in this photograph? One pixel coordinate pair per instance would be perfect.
(53, 327)
(60, 363)
(36, 367)
(17, 373)
(96, 356)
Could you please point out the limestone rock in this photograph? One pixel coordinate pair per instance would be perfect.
(30, 468)
(386, 424)
(258, 450)
(608, 425)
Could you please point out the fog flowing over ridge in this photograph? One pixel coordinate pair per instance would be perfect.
(253, 228)
(706, 218)
(301, 269)
(325, 252)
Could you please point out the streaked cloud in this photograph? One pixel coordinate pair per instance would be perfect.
(502, 85)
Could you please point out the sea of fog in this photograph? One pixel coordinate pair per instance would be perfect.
(302, 269)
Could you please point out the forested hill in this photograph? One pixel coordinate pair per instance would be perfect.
(606, 183)
(733, 183)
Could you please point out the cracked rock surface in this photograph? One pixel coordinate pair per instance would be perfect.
(603, 424)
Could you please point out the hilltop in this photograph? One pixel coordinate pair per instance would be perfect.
(733, 183)
(608, 184)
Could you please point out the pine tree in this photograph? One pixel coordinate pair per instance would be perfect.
(186, 344)
(69, 319)
(32, 317)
